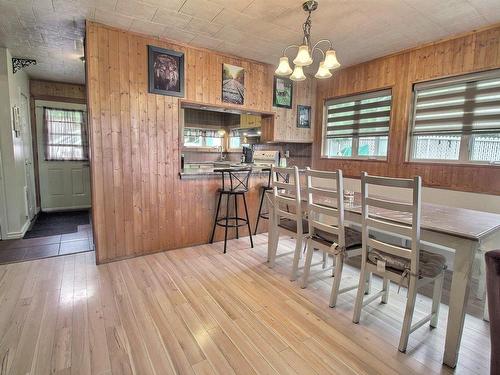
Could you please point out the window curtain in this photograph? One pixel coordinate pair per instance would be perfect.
(65, 134)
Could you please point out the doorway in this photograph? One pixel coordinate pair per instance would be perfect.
(61, 177)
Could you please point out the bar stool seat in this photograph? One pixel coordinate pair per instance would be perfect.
(238, 186)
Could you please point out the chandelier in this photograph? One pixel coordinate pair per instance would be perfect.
(306, 52)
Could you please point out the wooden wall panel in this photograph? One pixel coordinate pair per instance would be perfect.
(468, 53)
(285, 121)
(140, 205)
(57, 91)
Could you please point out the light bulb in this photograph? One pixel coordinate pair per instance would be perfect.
(331, 61)
(303, 56)
(322, 71)
(298, 74)
(283, 67)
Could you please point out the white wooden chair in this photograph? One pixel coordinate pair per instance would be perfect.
(327, 233)
(405, 266)
(288, 218)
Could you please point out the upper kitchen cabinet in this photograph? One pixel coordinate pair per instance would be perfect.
(285, 127)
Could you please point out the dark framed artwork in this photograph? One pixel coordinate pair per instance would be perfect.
(303, 116)
(282, 92)
(233, 84)
(165, 71)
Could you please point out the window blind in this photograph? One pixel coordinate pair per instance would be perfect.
(195, 132)
(461, 105)
(362, 115)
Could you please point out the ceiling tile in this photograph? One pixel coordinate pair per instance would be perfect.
(179, 35)
(112, 19)
(201, 9)
(147, 28)
(135, 9)
(171, 19)
(203, 27)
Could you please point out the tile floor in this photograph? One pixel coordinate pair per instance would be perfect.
(44, 247)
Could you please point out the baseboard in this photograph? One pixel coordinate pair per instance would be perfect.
(20, 234)
(65, 208)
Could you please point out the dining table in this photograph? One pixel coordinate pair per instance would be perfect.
(467, 233)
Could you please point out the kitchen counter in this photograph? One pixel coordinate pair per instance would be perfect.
(203, 169)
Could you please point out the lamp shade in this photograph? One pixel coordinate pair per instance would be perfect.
(298, 74)
(303, 56)
(322, 71)
(331, 61)
(283, 67)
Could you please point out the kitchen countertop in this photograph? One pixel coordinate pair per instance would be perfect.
(211, 171)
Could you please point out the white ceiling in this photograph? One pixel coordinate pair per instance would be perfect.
(51, 31)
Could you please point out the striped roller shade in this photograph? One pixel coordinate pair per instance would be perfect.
(459, 105)
(362, 115)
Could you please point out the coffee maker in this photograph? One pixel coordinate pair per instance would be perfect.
(247, 155)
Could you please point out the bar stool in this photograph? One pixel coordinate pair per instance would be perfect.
(263, 190)
(238, 186)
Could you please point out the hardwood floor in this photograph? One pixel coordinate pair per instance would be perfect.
(197, 311)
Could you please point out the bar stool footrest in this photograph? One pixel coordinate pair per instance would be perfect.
(241, 222)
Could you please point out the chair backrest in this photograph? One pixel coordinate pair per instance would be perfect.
(408, 213)
(238, 178)
(325, 202)
(286, 192)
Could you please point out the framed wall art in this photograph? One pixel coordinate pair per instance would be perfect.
(282, 92)
(165, 71)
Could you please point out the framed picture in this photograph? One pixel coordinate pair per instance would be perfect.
(303, 116)
(233, 84)
(282, 92)
(165, 71)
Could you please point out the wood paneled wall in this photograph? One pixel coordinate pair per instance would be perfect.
(58, 91)
(140, 205)
(473, 52)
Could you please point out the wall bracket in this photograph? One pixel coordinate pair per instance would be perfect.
(18, 64)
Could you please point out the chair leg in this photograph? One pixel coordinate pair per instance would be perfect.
(481, 285)
(360, 295)
(410, 306)
(368, 288)
(386, 287)
(227, 222)
(436, 300)
(262, 196)
(215, 219)
(324, 260)
(248, 220)
(339, 264)
(307, 265)
(296, 258)
(236, 215)
(274, 243)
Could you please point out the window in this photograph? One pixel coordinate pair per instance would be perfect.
(65, 135)
(457, 119)
(358, 126)
(209, 138)
(235, 139)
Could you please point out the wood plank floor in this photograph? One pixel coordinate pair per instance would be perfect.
(197, 311)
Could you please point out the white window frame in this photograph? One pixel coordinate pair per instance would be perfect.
(466, 139)
(355, 138)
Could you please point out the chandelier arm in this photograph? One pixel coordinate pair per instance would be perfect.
(318, 49)
(322, 41)
(287, 47)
